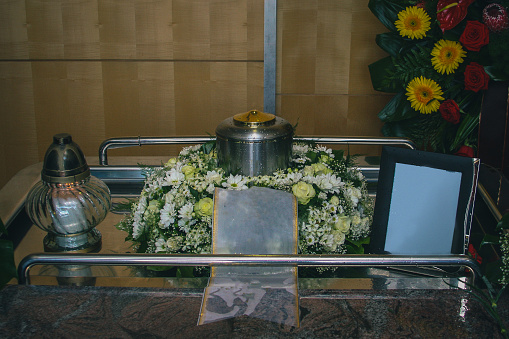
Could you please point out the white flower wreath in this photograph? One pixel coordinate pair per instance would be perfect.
(174, 211)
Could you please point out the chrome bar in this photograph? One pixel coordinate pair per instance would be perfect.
(139, 141)
(229, 259)
(360, 141)
(489, 202)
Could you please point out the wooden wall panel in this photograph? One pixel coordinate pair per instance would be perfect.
(117, 29)
(111, 68)
(45, 29)
(154, 29)
(323, 76)
(80, 26)
(13, 30)
(18, 143)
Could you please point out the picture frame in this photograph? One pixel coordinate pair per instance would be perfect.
(424, 203)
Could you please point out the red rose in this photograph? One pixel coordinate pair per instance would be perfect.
(475, 36)
(465, 151)
(472, 251)
(476, 78)
(449, 17)
(450, 111)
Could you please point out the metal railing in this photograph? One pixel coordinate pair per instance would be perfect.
(114, 143)
(228, 259)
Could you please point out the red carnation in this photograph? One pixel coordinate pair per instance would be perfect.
(495, 17)
(450, 111)
(465, 151)
(476, 78)
(475, 36)
(451, 12)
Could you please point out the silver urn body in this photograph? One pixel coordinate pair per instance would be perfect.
(254, 143)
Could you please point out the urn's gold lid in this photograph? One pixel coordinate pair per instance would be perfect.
(254, 118)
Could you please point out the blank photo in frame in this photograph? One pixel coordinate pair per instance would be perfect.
(424, 203)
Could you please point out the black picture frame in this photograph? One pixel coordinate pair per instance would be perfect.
(396, 216)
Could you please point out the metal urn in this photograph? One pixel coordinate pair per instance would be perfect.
(254, 143)
(68, 202)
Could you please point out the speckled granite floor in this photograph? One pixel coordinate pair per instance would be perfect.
(111, 312)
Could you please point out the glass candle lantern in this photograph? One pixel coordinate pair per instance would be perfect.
(68, 202)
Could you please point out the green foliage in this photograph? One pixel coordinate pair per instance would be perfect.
(411, 58)
(408, 66)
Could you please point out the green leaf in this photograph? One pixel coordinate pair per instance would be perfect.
(194, 193)
(390, 42)
(159, 268)
(356, 246)
(397, 109)
(338, 154)
(379, 71)
(386, 12)
(185, 272)
(467, 126)
(490, 239)
(503, 224)
(312, 156)
(496, 73)
(493, 271)
(208, 146)
(7, 265)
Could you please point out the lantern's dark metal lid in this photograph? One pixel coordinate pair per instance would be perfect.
(254, 118)
(64, 161)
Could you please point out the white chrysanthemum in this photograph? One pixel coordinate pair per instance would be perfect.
(160, 245)
(300, 149)
(213, 177)
(210, 189)
(167, 215)
(300, 160)
(186, 211)
(138, 223)
(174, 177)
(310, 239)
(328, 182)
(354, 193)
(237, 182)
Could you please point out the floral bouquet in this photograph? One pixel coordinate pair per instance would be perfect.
(174, 211)
(442, 54)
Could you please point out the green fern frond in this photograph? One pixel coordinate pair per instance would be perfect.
(413, 64)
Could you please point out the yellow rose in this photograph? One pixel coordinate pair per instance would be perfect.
(309, 171)
(339, 238)
(343, 224)
(204, 207)
(152, 208)
(334, 200)
(188, 171)
(303, 191)
(325, 159)
(321, 169)
(171, 162)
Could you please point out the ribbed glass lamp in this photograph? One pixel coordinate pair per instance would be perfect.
(68, 202)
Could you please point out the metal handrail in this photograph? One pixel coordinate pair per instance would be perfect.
(139, 141)
(370, 260)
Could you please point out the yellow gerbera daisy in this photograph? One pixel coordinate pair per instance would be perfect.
(447, 56)
(413, 22)
(424, 95)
